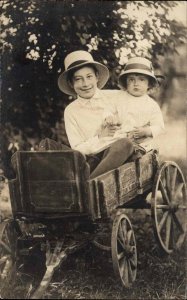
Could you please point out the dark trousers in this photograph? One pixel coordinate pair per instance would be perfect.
(111, 158)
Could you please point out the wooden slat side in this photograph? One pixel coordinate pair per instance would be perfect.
(94, 208)
(128, 181)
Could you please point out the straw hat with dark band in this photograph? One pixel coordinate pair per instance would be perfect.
(77, 59)
(139, 65)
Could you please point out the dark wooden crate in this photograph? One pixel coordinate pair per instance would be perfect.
(51, 181)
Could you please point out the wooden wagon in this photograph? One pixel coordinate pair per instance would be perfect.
(57, 209)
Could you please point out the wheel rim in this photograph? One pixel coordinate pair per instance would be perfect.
(124, 254)
(169, 207)
(8, 241)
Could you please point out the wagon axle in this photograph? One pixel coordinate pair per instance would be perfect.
(171, 207)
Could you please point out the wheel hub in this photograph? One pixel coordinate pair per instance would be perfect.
(129, 251)
(173, 207)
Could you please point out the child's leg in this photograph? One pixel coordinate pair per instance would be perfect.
(114, 156)
(94, 160)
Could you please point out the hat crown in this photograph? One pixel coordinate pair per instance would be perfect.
(77, 56)
(79, 59)
(137, 65)
(139, 62)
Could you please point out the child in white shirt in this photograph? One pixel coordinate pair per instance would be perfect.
(84, 78)
(139, 114)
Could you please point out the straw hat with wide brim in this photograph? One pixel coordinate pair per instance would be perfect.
(77, 59)
(139, 65)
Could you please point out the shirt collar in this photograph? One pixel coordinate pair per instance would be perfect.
(95, 97)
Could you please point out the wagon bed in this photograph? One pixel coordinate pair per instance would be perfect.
(57, 182)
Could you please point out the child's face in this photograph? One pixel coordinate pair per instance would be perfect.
(84, 82)
(137, 84)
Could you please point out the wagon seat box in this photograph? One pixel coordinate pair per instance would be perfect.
(49, 183)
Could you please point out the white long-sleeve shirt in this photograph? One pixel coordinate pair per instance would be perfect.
(84, 117)
(139, 111)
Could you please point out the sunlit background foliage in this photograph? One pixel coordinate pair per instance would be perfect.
(37, 35)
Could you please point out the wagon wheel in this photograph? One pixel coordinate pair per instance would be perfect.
(169, 206)
(8, 244)
(124, 254)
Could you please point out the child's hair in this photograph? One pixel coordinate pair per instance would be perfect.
(152, 81)
(72, 72)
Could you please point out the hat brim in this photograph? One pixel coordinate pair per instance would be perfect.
(103, 76)
(138, 71)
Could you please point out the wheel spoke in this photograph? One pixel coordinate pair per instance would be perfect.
(121, 255)
(168, 178)
(121, 233)
(168, 230)
(173, 180)
(133, 262)
(182, 207)
(125, 273)
(162, 206)
(5, 247)
(177, 222)
(129, 236)
(180, 240)
(130, 271)
(179, 189)
(120, 242)
(124, 230)
(122, 266)
(163, 192)
(163, 220)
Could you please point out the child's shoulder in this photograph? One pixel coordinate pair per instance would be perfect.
(111, 92)
(112, 96)
(118, 94)
(72, 106)
(151, 100)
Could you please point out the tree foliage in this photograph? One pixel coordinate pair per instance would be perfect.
(37, 35)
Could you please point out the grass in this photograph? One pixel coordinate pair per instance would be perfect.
(89, 275)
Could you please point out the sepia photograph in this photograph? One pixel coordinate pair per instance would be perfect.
(93, 168)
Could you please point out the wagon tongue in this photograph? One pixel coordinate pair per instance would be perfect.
(53, 261)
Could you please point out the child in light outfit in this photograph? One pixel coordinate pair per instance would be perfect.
(84, 78)
(139, 114)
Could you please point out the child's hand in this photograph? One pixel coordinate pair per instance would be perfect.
(140, 132)
(130, 135)
(111, 120)
(108, 130)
